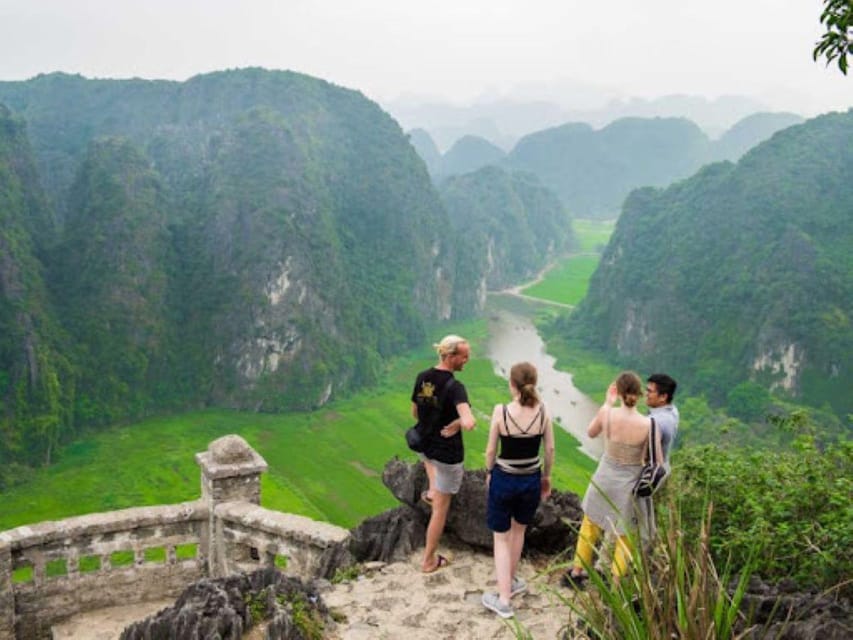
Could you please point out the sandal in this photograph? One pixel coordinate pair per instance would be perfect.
(576, 582)
(440, 562)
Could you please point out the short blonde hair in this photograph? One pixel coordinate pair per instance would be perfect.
(449, 345)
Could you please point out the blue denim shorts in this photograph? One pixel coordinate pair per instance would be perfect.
(512, 497)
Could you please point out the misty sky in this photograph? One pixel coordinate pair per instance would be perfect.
(455, 50)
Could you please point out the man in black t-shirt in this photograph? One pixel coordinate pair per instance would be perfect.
(440, 404)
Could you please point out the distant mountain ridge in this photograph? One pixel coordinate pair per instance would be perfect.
(593, 170)
(741, 272)
(506, 120)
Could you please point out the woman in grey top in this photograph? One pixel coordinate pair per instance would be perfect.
(609, 504)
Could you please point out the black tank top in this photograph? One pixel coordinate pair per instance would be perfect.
(520, 453)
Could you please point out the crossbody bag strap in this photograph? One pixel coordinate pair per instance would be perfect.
(652, 448)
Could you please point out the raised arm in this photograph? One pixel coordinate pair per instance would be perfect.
(548, 463)
(597, 423)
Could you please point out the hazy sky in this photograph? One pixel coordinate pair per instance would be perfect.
(452, 49)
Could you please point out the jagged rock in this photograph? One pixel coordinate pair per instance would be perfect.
(783, 614)
(390, 536)
(225, 608)
(466, 521)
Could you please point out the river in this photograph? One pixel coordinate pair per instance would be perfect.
(513, 338)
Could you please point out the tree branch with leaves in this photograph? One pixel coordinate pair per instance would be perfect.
(835, 43)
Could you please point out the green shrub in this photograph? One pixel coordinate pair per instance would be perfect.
(793, 504)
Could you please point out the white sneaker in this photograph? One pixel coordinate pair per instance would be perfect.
(492, 601)
(518, 586)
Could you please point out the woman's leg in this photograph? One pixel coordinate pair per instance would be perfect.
(588, 537)
(516, 543)
(503, 564)
(621, 557)
(429, 467)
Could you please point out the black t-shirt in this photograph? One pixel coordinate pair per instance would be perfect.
(428, 387)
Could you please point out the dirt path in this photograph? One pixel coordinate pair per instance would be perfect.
(398, 601)
(106, 624)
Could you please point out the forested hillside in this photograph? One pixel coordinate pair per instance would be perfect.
(36, 381)
(468, 154)
(509, 227)
(741, 277)
(249, 239)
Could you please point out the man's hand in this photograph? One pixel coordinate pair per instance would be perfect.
(451, 429)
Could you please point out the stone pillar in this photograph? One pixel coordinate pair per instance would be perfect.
(230, 472)
(7, 596)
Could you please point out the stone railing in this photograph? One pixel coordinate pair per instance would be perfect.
(52, 570)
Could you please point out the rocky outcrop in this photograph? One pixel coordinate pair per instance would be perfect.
(783, 613)
(394, 534)
(227, 607)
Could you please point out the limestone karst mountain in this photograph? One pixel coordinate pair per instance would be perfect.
(253, 239)
(742, 272)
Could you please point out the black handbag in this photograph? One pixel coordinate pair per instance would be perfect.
(416, 437)
(654, 472)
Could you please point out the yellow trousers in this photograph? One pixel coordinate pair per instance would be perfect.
(589, 536)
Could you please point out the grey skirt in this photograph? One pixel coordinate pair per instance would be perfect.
(610, 503)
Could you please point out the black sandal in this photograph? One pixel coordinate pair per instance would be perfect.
(576, 582)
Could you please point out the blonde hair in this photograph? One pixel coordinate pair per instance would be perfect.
(523, 377)
(449, 345)
(630, 387)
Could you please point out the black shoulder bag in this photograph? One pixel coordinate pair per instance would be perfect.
(654, 472)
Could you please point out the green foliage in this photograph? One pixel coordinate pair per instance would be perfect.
(346, 574)
(791, 506)
(835, 43)
(748, 401)
(256, 603)
(306, 617)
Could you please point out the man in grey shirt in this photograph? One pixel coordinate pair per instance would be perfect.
(660, 391)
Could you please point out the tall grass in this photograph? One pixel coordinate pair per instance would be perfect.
(673, 590)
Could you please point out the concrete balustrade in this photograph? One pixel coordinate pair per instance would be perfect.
(50, 571)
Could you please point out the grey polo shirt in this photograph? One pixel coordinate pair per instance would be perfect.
(666, 419)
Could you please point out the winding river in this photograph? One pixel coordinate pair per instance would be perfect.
(513, 338)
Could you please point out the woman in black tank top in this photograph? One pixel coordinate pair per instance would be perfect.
(518, 479)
